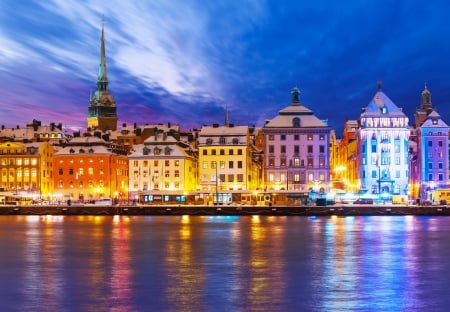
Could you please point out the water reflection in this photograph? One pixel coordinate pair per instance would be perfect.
(254, 263)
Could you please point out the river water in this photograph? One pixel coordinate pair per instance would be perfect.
(224, 263)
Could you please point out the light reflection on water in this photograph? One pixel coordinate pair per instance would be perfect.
(223, 263)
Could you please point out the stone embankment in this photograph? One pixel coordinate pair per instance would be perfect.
(338, 210)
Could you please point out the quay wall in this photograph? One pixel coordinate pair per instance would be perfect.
(338, 210)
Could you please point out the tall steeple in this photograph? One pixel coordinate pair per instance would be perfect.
(102, 80)
(102, 109)
(295, 96)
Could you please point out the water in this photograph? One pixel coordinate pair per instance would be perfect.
(96, 263)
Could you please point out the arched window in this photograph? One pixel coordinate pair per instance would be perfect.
(296, 122)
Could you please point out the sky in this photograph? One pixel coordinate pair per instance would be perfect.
(185, 62)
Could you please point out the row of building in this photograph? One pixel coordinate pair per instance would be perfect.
(293, 155)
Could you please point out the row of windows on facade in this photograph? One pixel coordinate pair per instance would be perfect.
(222, 164)
(155, 174)
(90, 183)
(310, 149)
(223, 178)
(222, 140)
(296, 137)
(167, 185)
(385, 160)
(19, 172)
(80, 171)
(222, 152)
(19, 185)
(166, 163)
(297, 162)
(296, 177)
(19, 161)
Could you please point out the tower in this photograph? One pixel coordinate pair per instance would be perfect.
(420, 116)
(102, 113)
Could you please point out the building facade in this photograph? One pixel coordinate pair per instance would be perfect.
(162, 170)
(87, 170)
(296, 150)
(383, 159)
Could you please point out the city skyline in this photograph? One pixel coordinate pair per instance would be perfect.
(185, 62)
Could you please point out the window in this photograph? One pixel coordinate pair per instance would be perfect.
(430, 165)
(222, 152)
(296, 149)
(90, 171)
(231, 178)
(322, 149)
(205, 164)
(296, 162)
(430, 143)
(271, 149)
(309, 137)
(213, 152)
(155, 163)
(374, 147)
(205, 152)
(310, 162)
(271, 177)
(374, 174)
(283, 162)
(321, 137)
(213, 165)
(239, 163)
(230, 164)
(222, 164)
(239, 151)
(271, 137)
(222, 140)
(230, 152)
(80, 171)
(283, 149)
(296, 177)
(440, 143)
(310, 149)
(71, 171)
(271, 162)
(283, 137)
(177, 173)
(282, 177)
(167, 163)
(240, 178)
(440, 177)
(60, 171)
(440, 165)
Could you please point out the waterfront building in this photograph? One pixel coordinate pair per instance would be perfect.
(26, 168)
(86, 169)
(227, 162)
(382, 159)
(433, 156)
(296, 151)
(102, 112)
(162, 170)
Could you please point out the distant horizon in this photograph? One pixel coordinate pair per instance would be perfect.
(184, 63)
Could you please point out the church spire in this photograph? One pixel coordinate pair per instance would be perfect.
(102, 80)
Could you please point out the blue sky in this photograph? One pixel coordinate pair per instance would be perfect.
(185, 61)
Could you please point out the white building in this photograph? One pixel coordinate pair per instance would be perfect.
(383, 147)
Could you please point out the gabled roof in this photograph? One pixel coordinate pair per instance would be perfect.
(223, 131)
(434, 121)
(380, 101)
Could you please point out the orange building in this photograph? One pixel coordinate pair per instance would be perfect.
(86, 169)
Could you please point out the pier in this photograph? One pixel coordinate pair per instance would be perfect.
(238, 210)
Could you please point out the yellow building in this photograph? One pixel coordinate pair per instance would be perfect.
(226, 162)
(27, 168)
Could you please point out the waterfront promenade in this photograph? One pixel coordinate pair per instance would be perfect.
(339, 210)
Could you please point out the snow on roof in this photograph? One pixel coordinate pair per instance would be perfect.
(380, 100)
(223, 131)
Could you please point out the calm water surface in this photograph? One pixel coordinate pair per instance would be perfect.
(56, 263)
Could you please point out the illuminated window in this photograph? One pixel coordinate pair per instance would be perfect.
(283, 177)
(222, 164)
(80, 171)
(205, 164)
(309, 137)
(90, 171)
(34, 162)
(19, 162)
(167, 163)
(296, 162)
(271, 137)
(271, 177)
(177, 163)
(296, 177)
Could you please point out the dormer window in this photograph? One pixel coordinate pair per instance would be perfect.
(384, 110)
(235, 141)
(82, 151)
(296, 122)
(209, 141)
(145, 150)
(167, 150)
(222, 140)
(72, 151)
(434, 121)
(156, 150)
